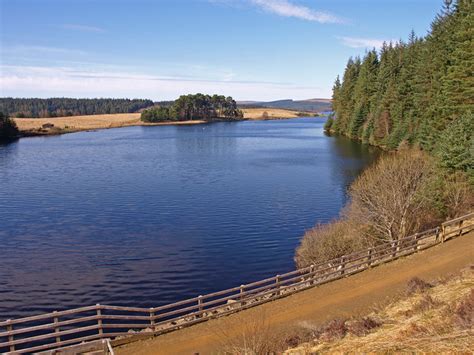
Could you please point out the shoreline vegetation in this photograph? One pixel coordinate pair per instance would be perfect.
(411, 93)
(414, 100)
(54, 116)
(29, 127)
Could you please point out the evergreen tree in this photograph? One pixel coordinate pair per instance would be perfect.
(411, 92)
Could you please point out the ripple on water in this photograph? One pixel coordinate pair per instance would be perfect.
(145, 216)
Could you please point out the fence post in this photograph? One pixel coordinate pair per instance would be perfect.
(437, 235)
(99, 319)
(343, 265)
(394, 249)
(460, 229)
(10, 337)
(152, 318)
(311, 276)
(415, 247)
(277, 282)
(200, 303)
(56, 328)
(369, 257)
(241, 295)
(443, 233)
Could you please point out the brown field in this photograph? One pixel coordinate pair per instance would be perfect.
(273, 113)
(33, 126)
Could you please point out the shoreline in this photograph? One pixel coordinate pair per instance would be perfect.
(59, 131)
(33, 127)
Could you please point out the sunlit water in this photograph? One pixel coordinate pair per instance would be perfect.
(145, 216)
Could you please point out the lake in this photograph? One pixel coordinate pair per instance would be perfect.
(144, 216)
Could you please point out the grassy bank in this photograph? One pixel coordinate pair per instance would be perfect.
(432, 317)
(34, 126)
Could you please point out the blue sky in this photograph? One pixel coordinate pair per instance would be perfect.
(250, 49)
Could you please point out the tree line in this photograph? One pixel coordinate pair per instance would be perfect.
(60, 107)
(416, 97)
(194, 107)
(414, 92)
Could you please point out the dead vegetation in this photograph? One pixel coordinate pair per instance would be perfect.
(430, 318)
(398, 196)
(257, 337)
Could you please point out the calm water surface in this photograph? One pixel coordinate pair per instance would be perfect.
(145, 216)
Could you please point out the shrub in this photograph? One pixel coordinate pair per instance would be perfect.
(328, 124)
(8, 127)
(417, 285)
(458, 194)
(335, 329)
(387, 196)
(326, 242)
(464, 313)
(425, 304)
(362, 326)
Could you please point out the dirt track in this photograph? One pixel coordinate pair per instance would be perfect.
(352, 296)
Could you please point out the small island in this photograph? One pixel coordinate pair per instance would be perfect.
(195, 107)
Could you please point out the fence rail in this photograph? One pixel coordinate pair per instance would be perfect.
(46, 332)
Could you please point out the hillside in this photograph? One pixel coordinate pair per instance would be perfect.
(310, 105)
(432, 318)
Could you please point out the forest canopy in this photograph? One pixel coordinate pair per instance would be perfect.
(60, 107)
(414, 92)
(194, 107)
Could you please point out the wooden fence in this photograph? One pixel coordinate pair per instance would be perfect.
(86, 325)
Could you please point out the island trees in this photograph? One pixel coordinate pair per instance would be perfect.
(195, 107)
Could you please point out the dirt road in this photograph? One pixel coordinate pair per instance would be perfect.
(352, 296)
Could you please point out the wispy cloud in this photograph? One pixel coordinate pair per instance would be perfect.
(24, 81)
(359, 42)
(289, 9)
(82, 28)
(34, 50)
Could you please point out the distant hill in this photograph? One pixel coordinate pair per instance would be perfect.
(310, 105)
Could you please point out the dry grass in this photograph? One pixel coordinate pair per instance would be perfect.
(83, 123)
(273, 113)
(434, 320)
(91, 122)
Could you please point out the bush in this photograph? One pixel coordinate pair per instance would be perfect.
(399, 195)
(326, 242)
(362, 326)
(334, 329)
(8, 127)
(328, 124)
(388, 197)
(464, 313)
(417, 285)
